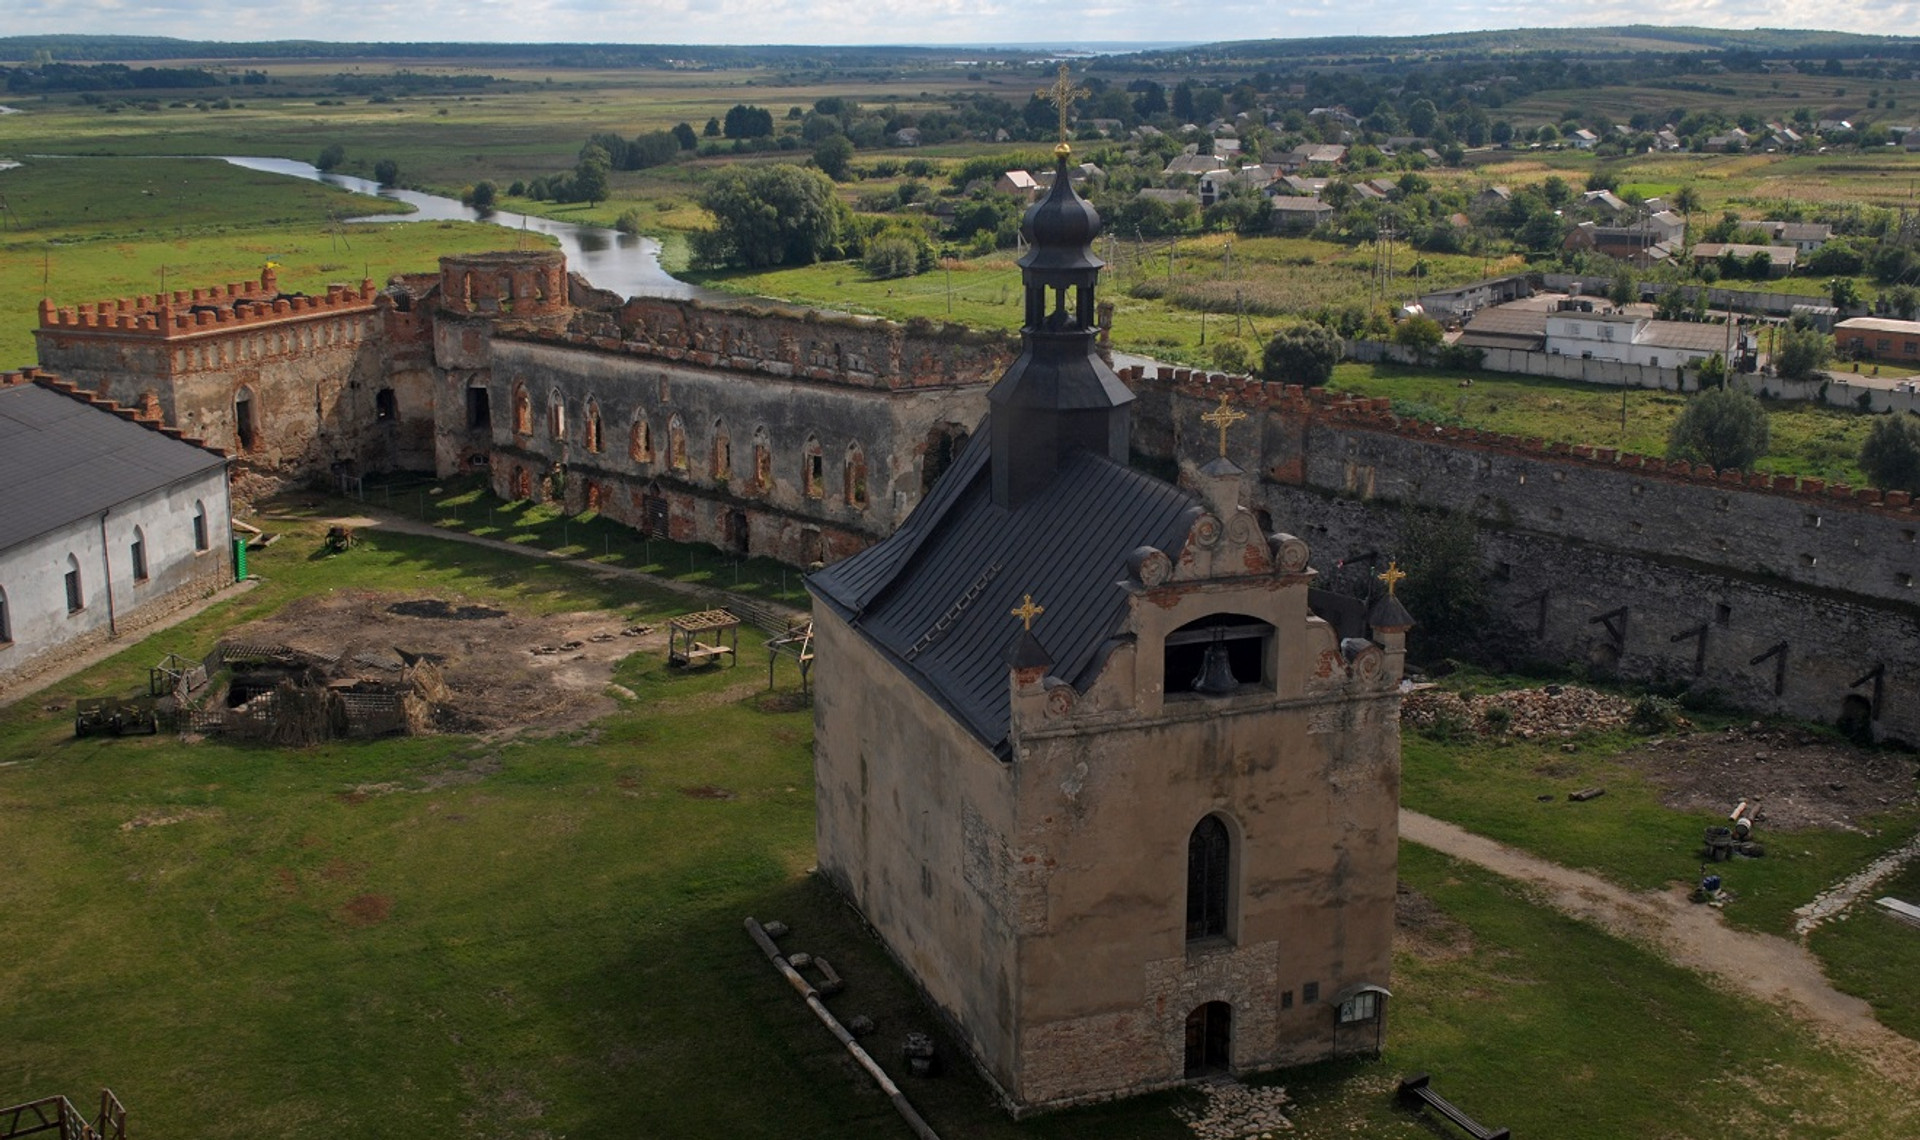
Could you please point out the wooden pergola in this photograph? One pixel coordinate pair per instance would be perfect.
(696, 639)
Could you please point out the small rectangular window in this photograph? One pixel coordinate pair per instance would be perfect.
(1286, 999)
(139, 559)
(75, 602)
(1722, 613)
(1310, 993)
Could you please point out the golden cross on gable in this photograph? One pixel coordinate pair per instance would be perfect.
(1223, 418)
(1061, 95)
(1026, 611)
(1392, 576)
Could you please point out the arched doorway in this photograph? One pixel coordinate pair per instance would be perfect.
(1210, 1039)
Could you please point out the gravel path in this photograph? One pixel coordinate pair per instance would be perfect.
(1773, 969)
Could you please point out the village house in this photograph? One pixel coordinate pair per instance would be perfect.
(1581, 330)
(1878, 338)
(1783, 258)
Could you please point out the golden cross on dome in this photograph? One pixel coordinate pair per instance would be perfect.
(1392, 577)
(1223, 418)
(1026, 611)
(1061, 95)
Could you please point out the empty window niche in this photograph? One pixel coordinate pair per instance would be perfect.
(1209, 875)
(6, 619)
(479, 408)
(1722, 613)
(200, 541)
(1809, 561)
(1813, 520)
(76, 598)
(385, 405)
(1217, 655)
(1905, 579)
(244, 429)
(137, 554)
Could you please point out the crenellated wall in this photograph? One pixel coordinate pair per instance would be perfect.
(1779, 591)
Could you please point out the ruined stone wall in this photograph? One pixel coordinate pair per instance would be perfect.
(789, 467)
(1820, 577)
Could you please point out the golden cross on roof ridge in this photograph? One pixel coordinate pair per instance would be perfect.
(1026, 611)
(1061, 95)
(1223, 417)
(1392, 576)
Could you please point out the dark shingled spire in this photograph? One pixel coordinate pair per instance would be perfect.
(1059, 395)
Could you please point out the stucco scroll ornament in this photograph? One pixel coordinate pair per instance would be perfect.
(1150, 566)
(1206, 531)
(1061, 697)
(1289, 553)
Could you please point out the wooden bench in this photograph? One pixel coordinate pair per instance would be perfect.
(699, 653)
(1418, 1090)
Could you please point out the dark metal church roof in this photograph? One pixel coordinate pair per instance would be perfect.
(936, 596)
(62, 459)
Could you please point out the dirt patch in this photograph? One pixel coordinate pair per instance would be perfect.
(1422, 929)
(707, 792)
(164, 818)
(498, 681)
(1797, 780)
(368, 910)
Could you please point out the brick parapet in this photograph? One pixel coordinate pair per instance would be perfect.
(1375, 413)
(222, 308)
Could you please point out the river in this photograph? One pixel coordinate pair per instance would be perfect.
(626, 264)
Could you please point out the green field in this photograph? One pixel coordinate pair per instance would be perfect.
(540, 936)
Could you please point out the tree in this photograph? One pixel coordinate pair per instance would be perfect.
(1843, 293)
(1446, 585)
(1891, 453)
(891, 255)
(834, 157)
(330, 158)
(1802, 351)
(712, 129)
(1421, 334)
(1722, 427)
(1303, 354)
(747, 122)
(591, 177)
(683, 134)
(1903, 300)
(387, 171)
(482, 196)
(770, 215)
(1625, 290)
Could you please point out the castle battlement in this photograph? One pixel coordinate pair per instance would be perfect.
(1376, 414)
(194, 312)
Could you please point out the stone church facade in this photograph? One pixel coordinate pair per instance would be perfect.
(1121, 802)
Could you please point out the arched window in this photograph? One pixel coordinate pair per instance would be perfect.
(200, 539)
(593, 425)
(385, 405)
(1217, 655)
(813, 469)
(762, 460)
(522, 411)
(853, 477)
(1209, 869)
(244, 431)
(677, 444)
(640, 441)
(6, 619)
(722, 452)
(556, 415)
(137, 554)
(76, 598)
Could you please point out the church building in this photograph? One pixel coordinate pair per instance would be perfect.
(1088, 760)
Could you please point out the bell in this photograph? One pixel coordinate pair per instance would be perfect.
(1216, 672)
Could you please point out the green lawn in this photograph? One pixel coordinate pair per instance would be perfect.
(1806, 439)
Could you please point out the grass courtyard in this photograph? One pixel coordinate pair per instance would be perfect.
(538, 935)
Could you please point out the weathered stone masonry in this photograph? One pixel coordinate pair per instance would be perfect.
(1781, 593)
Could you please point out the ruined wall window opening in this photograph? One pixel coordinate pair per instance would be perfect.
(1209, 879)
(137, 554)
(244, 429)
(677, 444)
(1209, 1039)
(762, 459)
(385, 406)
(479, 408)
(76, 597)
(593, 426)
(200, 540)
(522, 411)
(640, 441)
(556, 415)
(1217, 655)
(814, 469)
(722, 452)
(854, 477)
(943, 445)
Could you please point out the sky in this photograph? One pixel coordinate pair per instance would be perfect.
(884, 21)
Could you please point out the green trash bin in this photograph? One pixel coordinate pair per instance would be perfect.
(239, 559)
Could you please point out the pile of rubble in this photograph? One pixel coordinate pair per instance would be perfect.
(1236, 1112)
(1549, 711)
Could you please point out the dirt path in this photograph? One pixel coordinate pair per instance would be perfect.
(1697, 937)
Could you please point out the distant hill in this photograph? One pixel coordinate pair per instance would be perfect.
(1597, 42)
